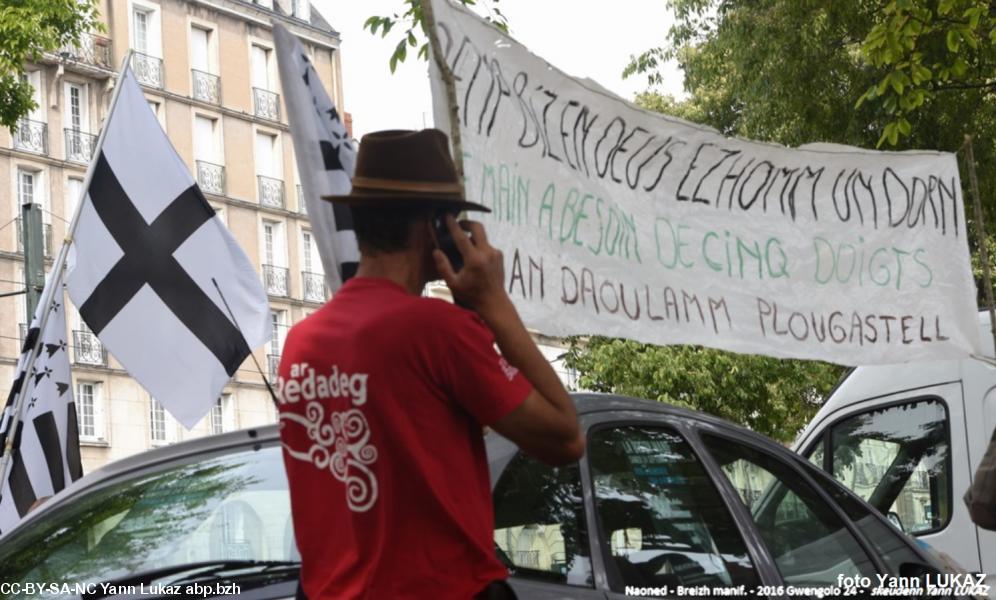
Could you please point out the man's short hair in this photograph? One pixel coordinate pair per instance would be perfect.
(386, 229)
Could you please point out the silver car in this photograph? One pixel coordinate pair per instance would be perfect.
(663, 498)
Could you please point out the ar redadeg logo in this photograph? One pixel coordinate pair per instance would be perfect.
(305, 383)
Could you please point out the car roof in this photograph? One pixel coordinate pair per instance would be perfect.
(596, 404)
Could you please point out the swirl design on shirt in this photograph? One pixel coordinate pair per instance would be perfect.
(341, 445)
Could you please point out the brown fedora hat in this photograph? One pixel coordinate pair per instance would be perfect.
(403, 168)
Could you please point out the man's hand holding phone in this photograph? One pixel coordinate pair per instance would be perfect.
(546, 424)
(480, 283)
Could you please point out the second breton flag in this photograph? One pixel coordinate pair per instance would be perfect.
(151, 267)
(326, 158)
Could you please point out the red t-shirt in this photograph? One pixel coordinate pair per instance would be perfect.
(383, 395)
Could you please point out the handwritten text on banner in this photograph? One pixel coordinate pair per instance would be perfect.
(622, 222)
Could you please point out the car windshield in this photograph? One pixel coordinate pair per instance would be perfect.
(233, 506)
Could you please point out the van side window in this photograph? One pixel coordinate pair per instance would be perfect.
(898, 459)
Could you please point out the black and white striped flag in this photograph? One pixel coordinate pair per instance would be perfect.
(45, 450)
(325, 155)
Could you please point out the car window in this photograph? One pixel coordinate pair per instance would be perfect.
(891, 545)
(809, 542)
(898, 459)
(816, 455)
(233, 506)
(539, 522)
(662, 519)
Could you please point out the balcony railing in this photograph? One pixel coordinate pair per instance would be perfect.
(87, 349)
(148, 69)
(275, 280)
(79, 145)
(46, 237)
(314, 287)
(207, 87)
(527, 558)
(302, 206)
(273, 365)
(266, 104)
(271, 191)
(92, 50)
(211, 177)
(31, 136)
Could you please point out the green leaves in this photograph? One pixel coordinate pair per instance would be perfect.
(412, 22)
(29, 28)
(771, 396)
(923, 53)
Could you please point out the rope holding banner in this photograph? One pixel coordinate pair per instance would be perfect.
(981, 233)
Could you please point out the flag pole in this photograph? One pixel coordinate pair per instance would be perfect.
(449, 82)
(266, 381)
(58, 268)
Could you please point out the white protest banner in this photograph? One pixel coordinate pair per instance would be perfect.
(622, 222)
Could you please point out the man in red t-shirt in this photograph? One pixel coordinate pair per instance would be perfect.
(383, 394)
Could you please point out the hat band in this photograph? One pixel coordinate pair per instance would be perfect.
(397, 185)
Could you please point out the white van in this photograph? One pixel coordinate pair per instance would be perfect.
(908, 438)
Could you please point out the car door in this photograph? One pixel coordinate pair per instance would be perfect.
(541, 530)
(809, 537)
(659, 520)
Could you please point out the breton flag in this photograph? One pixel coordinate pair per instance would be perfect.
(45, 451)
(155, 273)
(326, 158)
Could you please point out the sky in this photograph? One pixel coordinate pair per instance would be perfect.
(580, 37)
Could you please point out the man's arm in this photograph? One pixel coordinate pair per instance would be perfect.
(545, 425)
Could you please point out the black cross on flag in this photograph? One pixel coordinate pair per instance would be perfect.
(325, 156)
(148, 259)
(45, 449)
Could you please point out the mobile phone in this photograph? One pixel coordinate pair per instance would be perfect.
(445, 242)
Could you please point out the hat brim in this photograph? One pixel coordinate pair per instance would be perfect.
(380, 198)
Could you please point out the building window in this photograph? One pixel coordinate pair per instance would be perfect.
(89, 411)
(269, 171)
(80, 144)
(261, 67)
(76, 101)
(312, 274)
(141, 20)
(160, 426)
(274, 246)
(31, 189)
(34, 78)
(207, 141)
(278, 322)
(308, 252)
(221, 414)
(302, 9)
(26, 186)
(274, 259)
(209, 154)
(205, 84)
(200, 49)
(267, 155)
(74, 187)
(266, 102)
